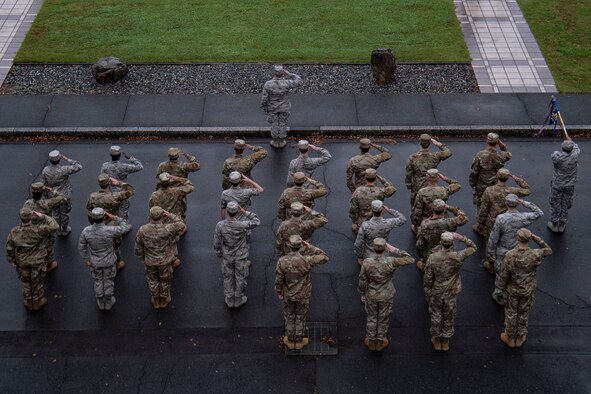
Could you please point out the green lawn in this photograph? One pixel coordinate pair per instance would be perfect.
(326, 31)
(562, 29)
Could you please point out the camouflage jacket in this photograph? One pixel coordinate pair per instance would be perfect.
(297, 226)
(299, 194)
(240, 195)
(179, 168)
(358, 164)
(242, 163)
(442, 271)
(485, 166)
(360, 204)
(565, 168)
(26, 245)
(493, 202)
(45, 205)
(274, 98)
(109, 200)
(429, 234)
(155, 243)
(375, 277)
(230, 238)
(307, 164)
(376, 227)
(421, 208)
(503, 236)
(292, 274)
(96, 242)
(518, 274)
(170, 198)
(419, 163)
(57, 176)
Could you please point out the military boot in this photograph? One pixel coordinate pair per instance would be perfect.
(109, 302)
(288, 342)
(554, 227)
(229, 302)
(165, 301)
(51, 266)
(64, 231)
(508, 341)
(561, 227)
(371, 344)
(240, 301)
(29, 304)
(436, 341)
(120, 265)
(421, 265)
(520, 340)
(281, 143)
(40, 304)
(382, 344)
(301, 342)
(156, 302)
(274, 143)
(445, 344)
(100, 301)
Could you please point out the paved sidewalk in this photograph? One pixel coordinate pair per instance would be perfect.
(505, 55)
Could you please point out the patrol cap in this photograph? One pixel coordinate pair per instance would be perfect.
(379, 244)
(164, 178)
(371, 174)
(299, 177)
(377, 206)
(115, 150)
(438, 205)
(156, 212)
(278, 69)
(173, 152)
(303, 144)
(511, 200)
(294, 242)
(567, 145)
(103, 180)
(37, 187)
(25, 214)
(54, 155)
(492, 137)
(523, 235)
(97, 213)
(235, 177)
(239, 144)
(365, 143)
(232, 207)
(432, 172)
(447, 239)
(297, 208)
(503, 174)
(425, 138)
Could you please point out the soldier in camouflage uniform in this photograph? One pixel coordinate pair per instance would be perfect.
(294, 288)
(297, 225)
(96, 248)
(240, 162)
(360, 203)
(230, 243)
(376, 227)
(119, 171)
(172, 194)
(155, 246)
(429, 233)
(239, 194)
(56, 176)
(422, 208)
(562, 186)
(442, 283)
(419, 163)
(377, 291)
(299, 193)
(39, 203)
(492, 202)
(358, 164)
(518, 281)
(306, 164)
(486, 164)
(276, 104)
(503, 237)
(26, 250)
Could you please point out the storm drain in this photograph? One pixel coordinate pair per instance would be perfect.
(323, 340)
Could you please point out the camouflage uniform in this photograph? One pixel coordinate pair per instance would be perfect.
(172, 198)
(297, 226)
(155, 246)
(492, 204)
(96, 246)
(179, 169)
(299, 194)
(360, 204)
(484, 169)
(376, 227)
(292, 281)
(442, 283)
(120, 171)
(503, 238)
(429, 234)
(56, 176)
(375, 284)
(242, 163)
(358, 164)
(417, 166)
(110, 201)
(562, 186)
(422, 209)
(307, 165)
(26, 248)
(276, 104)
(518, 281)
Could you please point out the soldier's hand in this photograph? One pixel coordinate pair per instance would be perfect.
(248, 146)
(435, 142)
(64, 157)
(114, 181)
(280, 297)
(458, 237)
(312, 181)
(126, 155)
(242, 209)
(308, 209)
(110, 216)
(48, 189)
(88, 264)
(520, 201)
(306, 243)
(312, 146)
(39, 214)
(359, 261)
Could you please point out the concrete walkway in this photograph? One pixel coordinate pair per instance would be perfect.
(505, 55)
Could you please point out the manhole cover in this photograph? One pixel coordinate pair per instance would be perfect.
(323, 340)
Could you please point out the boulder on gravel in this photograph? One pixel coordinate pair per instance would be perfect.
(383, 65)
(109, 69)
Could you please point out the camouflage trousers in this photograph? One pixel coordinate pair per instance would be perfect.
(499, 259)
(443, 313)
(32, 279)
(104, 281)
(279, 122)
(124, 209)
(61, 214)
(234, 273)
(159, 278)
(561, 200)
(517, 314)
(294, 314)
(478, 192)
(378, 319)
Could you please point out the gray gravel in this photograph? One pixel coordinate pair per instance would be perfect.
(232, 78)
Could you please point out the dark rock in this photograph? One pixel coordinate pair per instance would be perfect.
(383, 65)
(109, 70)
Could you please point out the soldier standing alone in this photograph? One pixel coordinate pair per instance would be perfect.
(562, 190)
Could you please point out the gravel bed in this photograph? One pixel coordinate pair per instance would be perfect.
(237, 78)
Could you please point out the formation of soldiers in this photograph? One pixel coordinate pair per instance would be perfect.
(508, 255)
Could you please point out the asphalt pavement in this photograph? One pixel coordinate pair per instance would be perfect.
(198, 345)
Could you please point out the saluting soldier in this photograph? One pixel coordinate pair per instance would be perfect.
(299, 193)
(562, 187)
(306, 164)
(358, 164)
(240, 162)
(360, 203)
(430, 192)
(296, 224)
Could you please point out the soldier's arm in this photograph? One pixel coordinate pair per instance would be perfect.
(58, 199)
(281, 210)
(259, 153)
(256, 187)
(192, 164)
(453, 185)
(362, 286)
(389, 188)
(408, 174)
(405, 258)
(398, 218)
(265, 99)
(177, 226)
(474, 172)
(461, 217)
(444, 153)
(10, 250)
(544, 247)
(217, 240)
(279, 280)
(319, 190)
(350, 183)
(127, 192)
(290, 172)
(83, 246)
(325, 156)
(576, 151)
(384, 155)
(294, 80)
(493, 240)
(416, 215)
(505, 273)
(74, 166)
(134, 165)
(139, 247)
(47, 224)
(470, 248)
(186, 185)
(354, 208)
(420, 244)
(253, 219)
(485, 206)
(279, 241)
(359, 245)
(521, 182)
(121, 226)
(428, 280)
(318, 220)
(536, 211)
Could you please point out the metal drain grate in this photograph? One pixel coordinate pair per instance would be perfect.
(316, 331)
